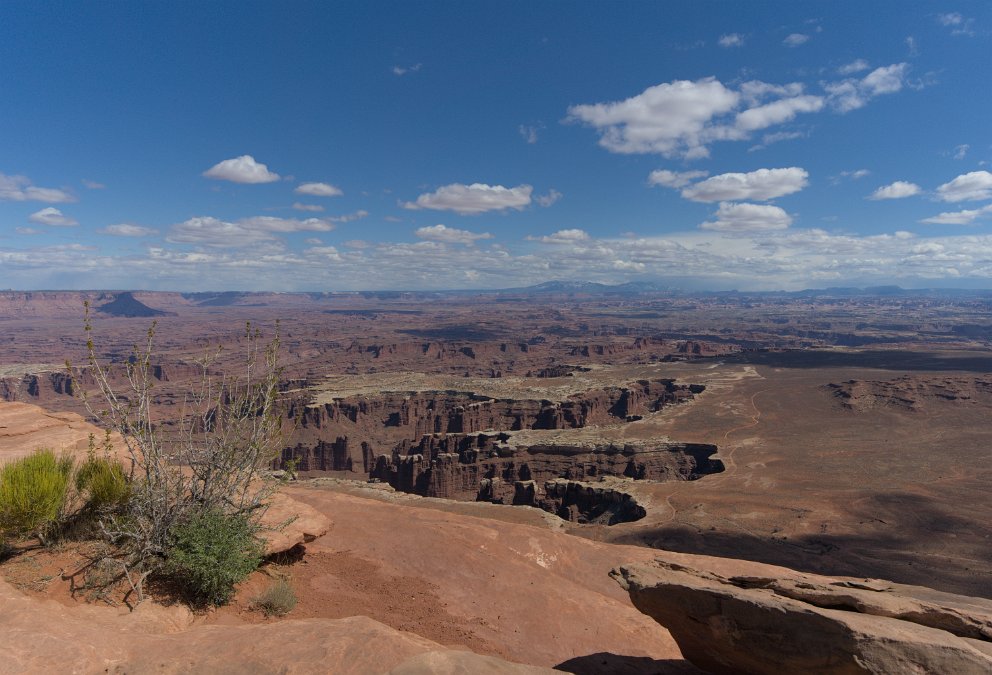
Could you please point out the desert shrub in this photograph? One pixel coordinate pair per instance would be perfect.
(33, 493)
(190, 475)
(277, 600)
(210, 552)
(104, 483)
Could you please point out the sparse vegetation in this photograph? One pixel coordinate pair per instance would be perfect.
(210, 552)
(278, 599)
(190, 506)
(33, 494)
(104, 482)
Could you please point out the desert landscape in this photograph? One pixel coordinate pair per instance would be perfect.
(470, 490)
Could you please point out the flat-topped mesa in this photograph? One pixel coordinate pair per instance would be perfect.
(346, 434)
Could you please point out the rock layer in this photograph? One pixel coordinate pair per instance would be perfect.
(772, 620)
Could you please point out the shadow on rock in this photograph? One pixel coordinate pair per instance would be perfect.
(604, 663)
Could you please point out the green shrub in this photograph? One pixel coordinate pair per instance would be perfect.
(277, 600)
(33, 493)
(104, 483)
(211, 552)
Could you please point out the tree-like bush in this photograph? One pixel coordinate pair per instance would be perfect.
(210, 552)
(33, 494)
(208, 465)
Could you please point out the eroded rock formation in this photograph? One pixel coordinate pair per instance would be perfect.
(772, 620)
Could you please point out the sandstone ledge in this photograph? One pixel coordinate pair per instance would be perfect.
(766, 619)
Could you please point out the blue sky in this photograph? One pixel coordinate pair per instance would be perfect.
(414, 145)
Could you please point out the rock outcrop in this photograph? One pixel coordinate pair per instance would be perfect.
(38, 636)
(773, 620)
(347, 434)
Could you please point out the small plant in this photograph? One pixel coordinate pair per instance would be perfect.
(210, 552)
(277, 600)
(104, 483)
(33, 493)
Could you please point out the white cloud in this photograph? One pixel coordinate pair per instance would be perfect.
(529, 133)
(209, 231)
(795, 39)
(349, 217)
(93, 185)
(748, 218)
(128, 230)
(473, 199)
(959, 24)
(27, 230)
(777, 112)
(911, 46)
(777, 137)
(731, 40)
(855, 66)
(897, 190)
(761, 185)
(974, 186)
(243, 169)
(965, 217)
(450, 235)
(961, 150)
(674, 179)
(548, 199)
(318, 190)
(52, 216)
(315, 208)
(20, 189)
(682, 118)
(571, 236)
(670, 119)
(855, 174)
(851, 94)
(403, 70)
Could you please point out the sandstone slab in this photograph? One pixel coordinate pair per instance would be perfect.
(773, 620)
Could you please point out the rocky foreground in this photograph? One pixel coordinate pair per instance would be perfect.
(406, 584)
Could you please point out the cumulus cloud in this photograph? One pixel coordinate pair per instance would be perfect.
(318, 190)
(973, 186)
(777, 112)
(670, 119)
(674, 179)
(851, 94)
(731, 40)
(316, 208)
(52, 216)
(966, 217)
(897, 190)
(855, 66)
(243, 169)
(450, 235)
(961, 150)
(682, 118)
(958, 24)
(761, 185)
(732, 217)
(795, 39)
(128, 230)
(570, 236)
(209, 231)
(548, 199)
(20, 189)
(855, 174)
(473, 199)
